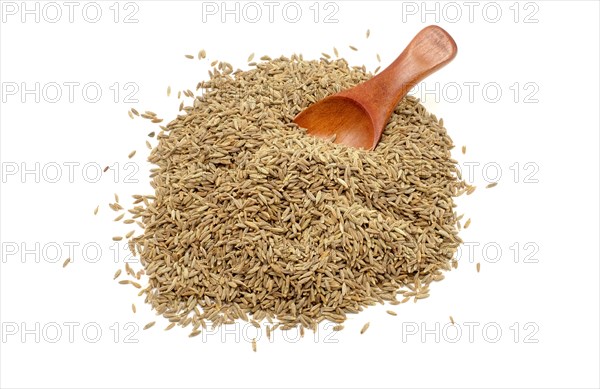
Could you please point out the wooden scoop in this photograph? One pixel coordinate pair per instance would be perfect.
(357, 116)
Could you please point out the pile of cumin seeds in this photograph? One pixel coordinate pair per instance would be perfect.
(252, 219)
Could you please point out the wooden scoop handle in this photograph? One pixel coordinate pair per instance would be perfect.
(430, 50)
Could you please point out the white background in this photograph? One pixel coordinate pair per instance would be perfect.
(543, 298)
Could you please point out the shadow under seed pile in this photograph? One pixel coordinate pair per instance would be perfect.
(253, 219)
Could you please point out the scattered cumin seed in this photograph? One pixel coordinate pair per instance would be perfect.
(129, 270)
(338, 327)
(467, 223)
(117, 238)
(254, 344)
(353, 48)
(115, 207)
(133, 308)
(478, 267)
(130, 114)
(392, 313)
(169, 91)
(149, 325)
(451, 320)
(131, 154)
(201, 54)
(194, 333)
(368, 33)
(189, 56)
(121, 216)
(135, 112)
(250, 58)
(493, 184)
(96, 210)
(364, 328)
(464, 149)
(66, 262)
(335, 51)
(136, 285)
(378, 58)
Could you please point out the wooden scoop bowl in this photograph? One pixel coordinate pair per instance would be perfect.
(357, 116)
